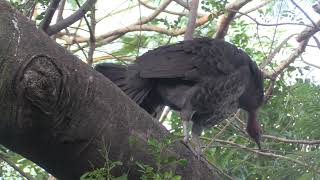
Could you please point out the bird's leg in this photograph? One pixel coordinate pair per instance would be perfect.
(196, 132)
(185, 131)
(186, 117)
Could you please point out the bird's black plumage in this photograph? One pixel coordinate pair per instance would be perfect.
(204, 79)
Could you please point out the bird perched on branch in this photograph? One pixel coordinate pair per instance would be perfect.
(205, 79)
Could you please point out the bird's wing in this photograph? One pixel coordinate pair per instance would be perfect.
(171, 61)
(190, 60)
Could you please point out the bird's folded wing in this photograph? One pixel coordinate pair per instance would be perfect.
(190, 58)
(171, 62)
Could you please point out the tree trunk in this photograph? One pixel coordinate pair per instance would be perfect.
(59, 113)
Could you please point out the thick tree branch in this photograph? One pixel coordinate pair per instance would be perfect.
(308, 32)
(192, 20)
(183, 3)
(60, 113)
(227, 18)
(92, 42)
(49, 14)
(71, 19)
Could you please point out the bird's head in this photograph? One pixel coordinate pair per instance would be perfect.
(252, 99)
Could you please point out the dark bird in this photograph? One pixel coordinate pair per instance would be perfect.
(205, 79)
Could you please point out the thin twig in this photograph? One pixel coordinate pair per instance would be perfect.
(271, 24)
(210, 165)
(166, 11)
(315, 25)
(293, 141)
(221, 131)
(310, 64)
(284, 64)
(264, 153)
(269, 91)
(317, 41)
(275, 52)
(254, 8)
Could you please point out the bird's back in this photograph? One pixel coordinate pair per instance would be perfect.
(203, 72)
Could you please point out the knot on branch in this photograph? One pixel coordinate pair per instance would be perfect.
(41, 82)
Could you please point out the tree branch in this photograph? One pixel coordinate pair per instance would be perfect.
(226, 19)
(92, 42)
(275, 52)
(310, 64)
(314, 24)
(271, 24)
(192, 20)
(183, 4)
(71, 19)
(285, 140)
(105, 38)
(166, 11)
(49, 14)
(254, 8)
(308, 32)
(264, 153)
(284, 64)
(303, 38)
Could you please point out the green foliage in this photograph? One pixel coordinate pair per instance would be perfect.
(164, 163)
(73, 3)
(131, 45)
(213, 5)
(104, 173)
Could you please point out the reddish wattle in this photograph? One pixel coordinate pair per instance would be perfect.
(253, 127)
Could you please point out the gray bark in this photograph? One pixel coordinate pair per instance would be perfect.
(60, 113)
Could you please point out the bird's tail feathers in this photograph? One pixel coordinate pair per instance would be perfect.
(136, 88)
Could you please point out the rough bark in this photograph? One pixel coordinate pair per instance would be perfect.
(60, 113)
